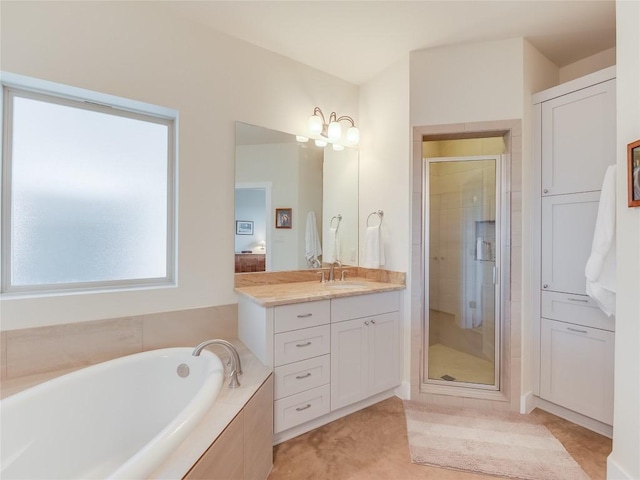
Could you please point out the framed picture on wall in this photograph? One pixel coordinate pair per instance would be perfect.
(283, 217)
(244, 227)
(633, 159)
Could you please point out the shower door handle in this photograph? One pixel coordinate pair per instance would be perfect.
(495, 275)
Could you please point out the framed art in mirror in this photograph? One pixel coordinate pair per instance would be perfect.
(633, 161)
(244, 227)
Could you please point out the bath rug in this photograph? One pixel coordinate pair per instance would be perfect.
(493, 443)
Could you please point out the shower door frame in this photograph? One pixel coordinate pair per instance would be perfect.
(448, 387)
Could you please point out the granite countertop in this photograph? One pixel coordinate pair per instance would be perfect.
(299, 292)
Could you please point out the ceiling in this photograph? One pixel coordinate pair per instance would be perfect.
(355, 40)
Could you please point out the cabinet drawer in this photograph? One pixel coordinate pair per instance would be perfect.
(301, 315)
(576, 368)
(577, 309)
(300, 376)
(300, 408)
(302, 344)
(359, 306)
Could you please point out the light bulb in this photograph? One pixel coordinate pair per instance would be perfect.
(301, 139)
(353, 135)
(334, 132)
(315, 125)
(337, 147)
(321, 143)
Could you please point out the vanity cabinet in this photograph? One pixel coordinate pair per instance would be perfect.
(365, 349)
(326, 354)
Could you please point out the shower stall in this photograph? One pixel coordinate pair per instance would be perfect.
(462, 259)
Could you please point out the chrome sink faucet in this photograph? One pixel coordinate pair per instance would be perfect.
(236, 366)
(332, 272)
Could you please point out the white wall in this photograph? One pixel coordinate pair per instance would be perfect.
(467, 83)
(539, 74)
(385, 173)
(585, 66)
(138, 50)
(624, 461)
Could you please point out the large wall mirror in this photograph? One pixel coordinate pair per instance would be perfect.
(296, 204)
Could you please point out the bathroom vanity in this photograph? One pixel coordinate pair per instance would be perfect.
(334, 348)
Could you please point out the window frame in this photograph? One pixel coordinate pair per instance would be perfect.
(13, 86)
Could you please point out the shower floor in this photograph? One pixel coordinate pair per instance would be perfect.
(461, 366)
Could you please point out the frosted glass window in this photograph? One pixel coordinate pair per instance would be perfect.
(90, 195)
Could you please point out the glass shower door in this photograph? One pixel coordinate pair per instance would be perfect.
(462, 255)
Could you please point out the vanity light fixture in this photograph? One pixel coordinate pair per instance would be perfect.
(301, 139)
(331, 132)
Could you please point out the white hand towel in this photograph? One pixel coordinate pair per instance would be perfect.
(313, 248)
(332, 246)
(601, 266)
(373, 248)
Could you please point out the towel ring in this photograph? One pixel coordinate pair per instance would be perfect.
(335, 217)
(379, 213)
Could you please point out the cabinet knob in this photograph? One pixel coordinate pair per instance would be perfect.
(366, 322)
(373, 321)
(546, 190)
(545, 286)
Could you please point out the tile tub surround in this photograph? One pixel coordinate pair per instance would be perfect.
(226, 406)
(351, 274)
(35, 351)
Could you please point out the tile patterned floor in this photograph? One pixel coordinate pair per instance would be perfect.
(372, 445)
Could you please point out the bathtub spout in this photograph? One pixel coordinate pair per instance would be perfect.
(236, 366)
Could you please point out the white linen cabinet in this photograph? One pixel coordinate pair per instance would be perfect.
(574, 143)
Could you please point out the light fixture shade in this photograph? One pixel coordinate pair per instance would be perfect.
(321, 143)
(301, 139)
(334, 132)
(337, 147)
(315, 125)
(353, 135)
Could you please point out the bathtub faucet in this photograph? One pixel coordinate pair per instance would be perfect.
(236, 367)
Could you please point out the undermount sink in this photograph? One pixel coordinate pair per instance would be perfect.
(339, 285)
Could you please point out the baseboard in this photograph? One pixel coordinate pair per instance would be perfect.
(574, 417)
(527, 403)
(330, 417)
(615, 472)
(403, 391)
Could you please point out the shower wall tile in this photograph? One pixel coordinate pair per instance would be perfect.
(188, 328)
(46, 349)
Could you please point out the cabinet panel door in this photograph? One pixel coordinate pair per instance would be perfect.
(348, 362)
(576, 368)
(568, 222)
(384, 352)
(578, 139)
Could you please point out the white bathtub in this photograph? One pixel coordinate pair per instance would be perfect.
(118, 419)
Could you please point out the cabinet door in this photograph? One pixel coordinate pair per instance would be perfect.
(576, 368)
(578, 139)
(568, 222)
(384, 352)
(349, 366)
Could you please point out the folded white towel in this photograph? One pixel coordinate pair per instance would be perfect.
(601, 266)
(373, 248)
(313, 248)
(332, 247)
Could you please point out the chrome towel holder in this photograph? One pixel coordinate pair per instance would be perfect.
(379, 213)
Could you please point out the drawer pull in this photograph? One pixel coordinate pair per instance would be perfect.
(299, 409)
(303, 344)
(366, 322)
(373, 321)
(576, 330)
(305, 315)
(300, 377)
(578, 300)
